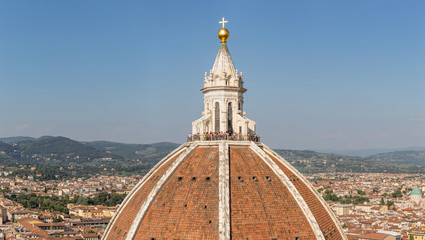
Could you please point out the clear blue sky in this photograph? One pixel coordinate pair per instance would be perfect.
(320, 74)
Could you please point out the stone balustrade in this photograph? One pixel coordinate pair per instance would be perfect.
(222, 136)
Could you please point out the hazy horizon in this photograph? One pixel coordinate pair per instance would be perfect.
(353, 152)
(320, 75)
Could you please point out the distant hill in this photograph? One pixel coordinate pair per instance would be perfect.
(7, 148)
(64, 149)
(368, 152)
(9, 153)
(314, 162)
(150, 153)
(16, 139)
(58, 157)
(403, 157)
(61, 157)
(61, 151)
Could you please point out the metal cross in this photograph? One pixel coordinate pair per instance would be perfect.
(223, 22)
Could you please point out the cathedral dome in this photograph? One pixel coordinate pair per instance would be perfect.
(416, 191)
(223, 190)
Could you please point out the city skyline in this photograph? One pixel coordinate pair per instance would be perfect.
(319, 75)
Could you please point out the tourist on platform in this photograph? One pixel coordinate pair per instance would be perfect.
(212, 136)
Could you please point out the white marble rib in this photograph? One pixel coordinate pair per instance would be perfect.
(224, 192)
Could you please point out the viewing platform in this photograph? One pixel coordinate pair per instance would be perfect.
(222, 136)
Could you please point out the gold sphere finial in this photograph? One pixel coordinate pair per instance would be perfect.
(223, 33)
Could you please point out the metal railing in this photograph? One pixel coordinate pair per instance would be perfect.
(222, 136)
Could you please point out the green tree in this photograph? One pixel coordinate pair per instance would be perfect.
(397, 194)
(361, 192)
(55, 203)
(329, 196)
(57, 219)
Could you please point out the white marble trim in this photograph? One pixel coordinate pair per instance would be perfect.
(224, 192)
